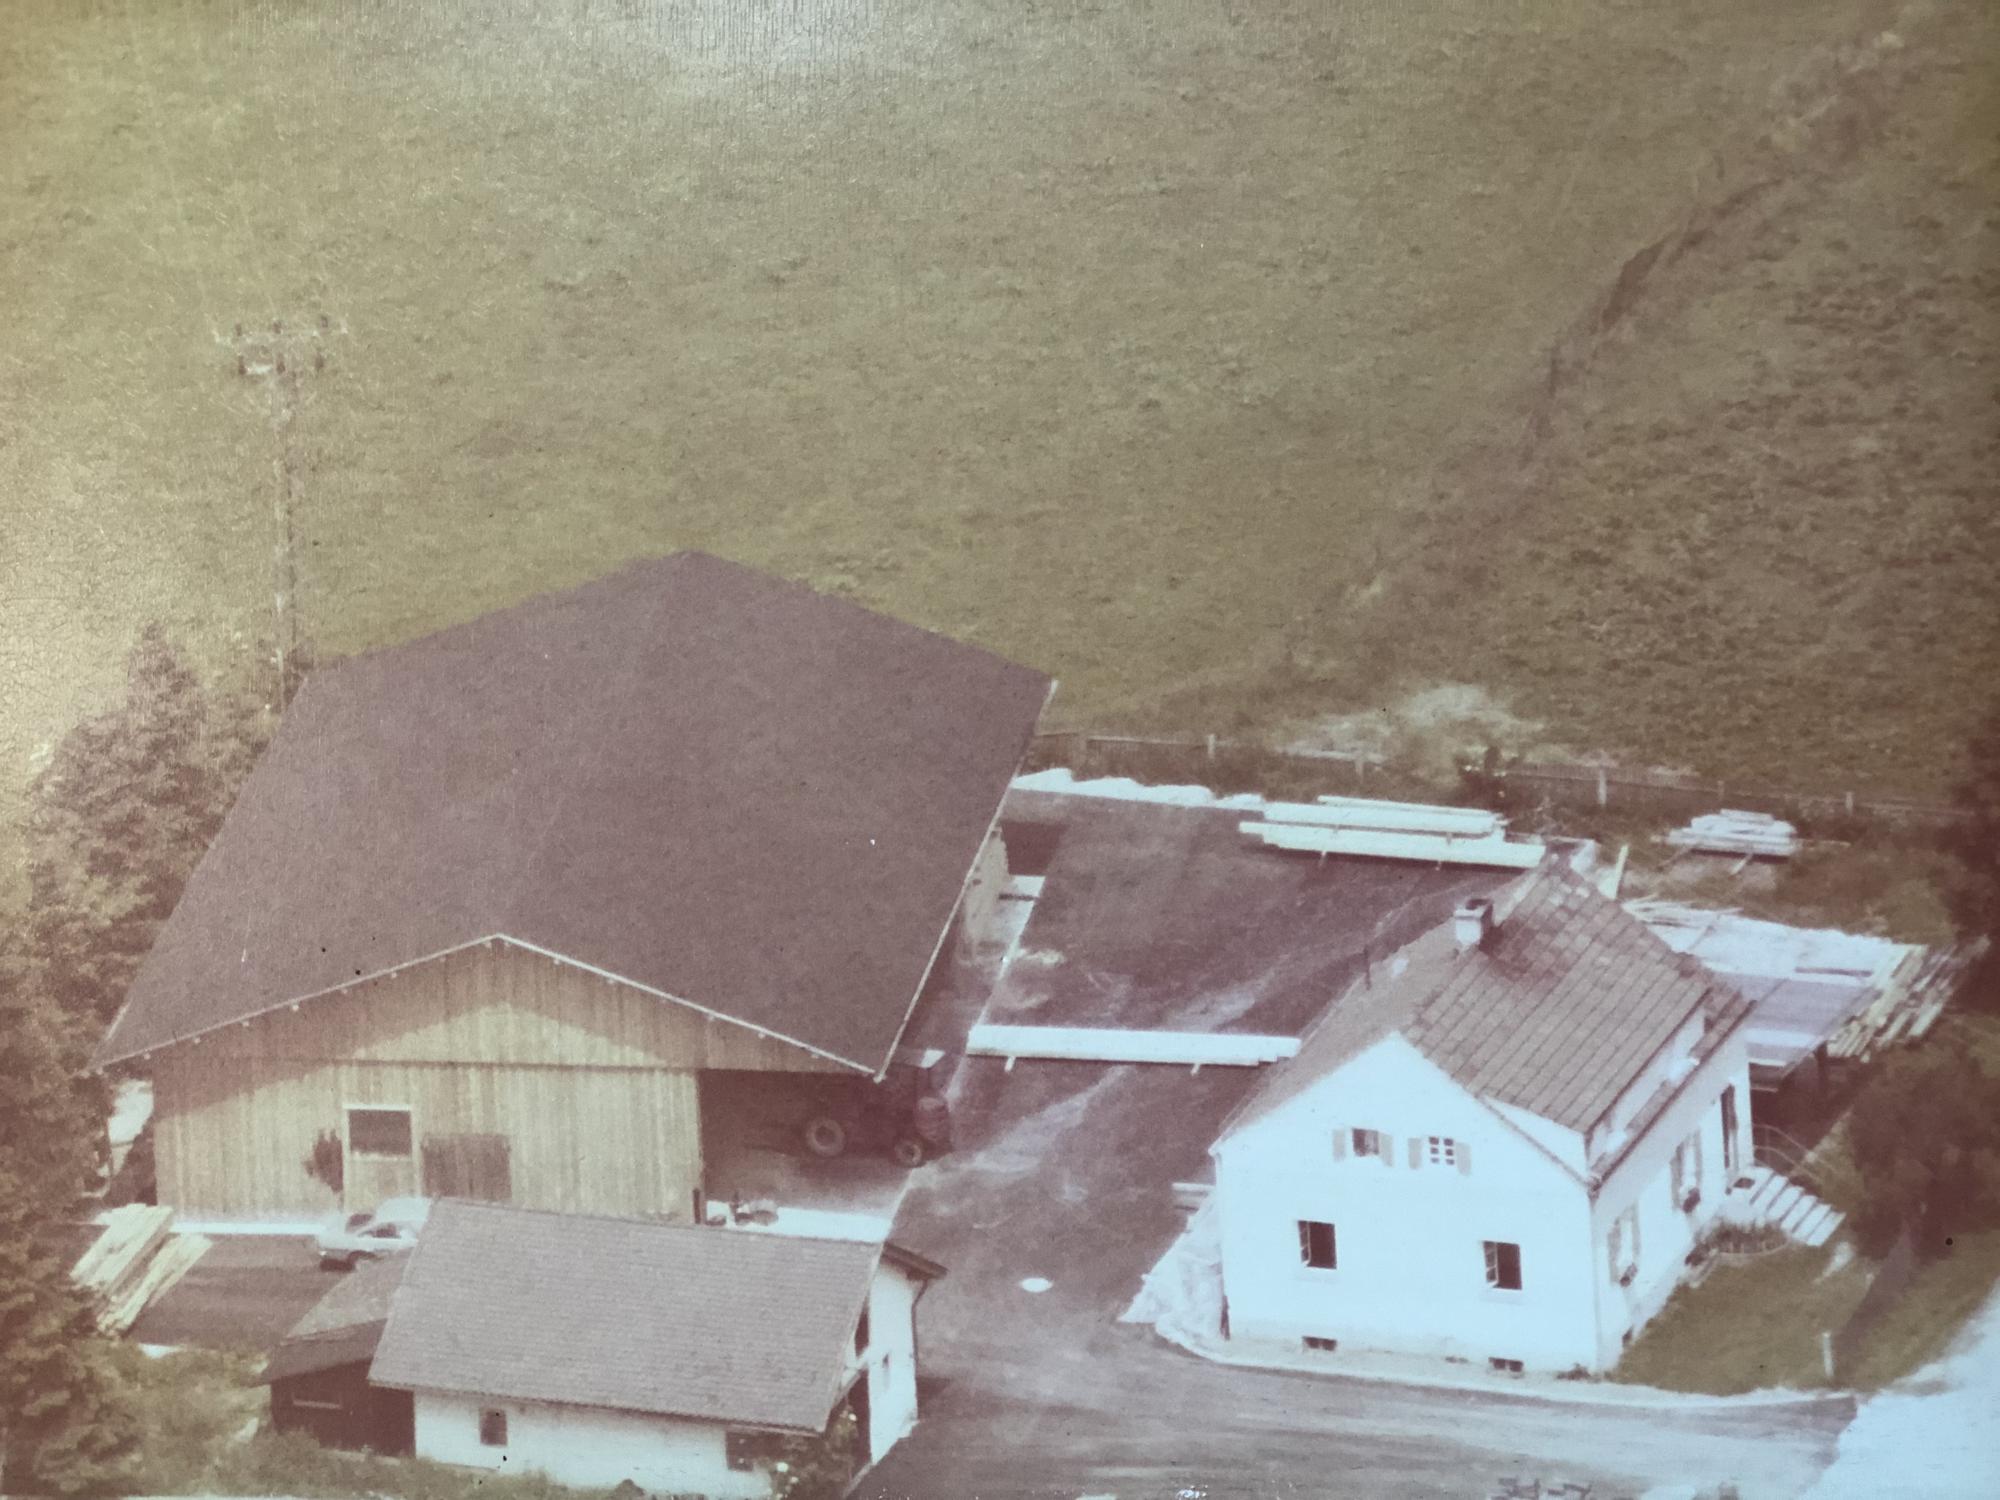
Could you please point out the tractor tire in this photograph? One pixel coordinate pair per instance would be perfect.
(825, 1137)
(908, 1151)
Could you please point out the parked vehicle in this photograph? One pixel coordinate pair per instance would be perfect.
(392, 1228)
(904, 1116)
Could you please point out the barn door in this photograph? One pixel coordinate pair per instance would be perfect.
(468, 1166)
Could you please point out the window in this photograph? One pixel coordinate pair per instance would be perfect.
(1316, 1244)
(861, 1333)
(1506, 1366)
(1443, 1151)
(1369, 1143)
(378, 1132)
(493, 1428)
(1687, 1172)
(1623, 1245)
(1320, 1345)
(1503, 1265)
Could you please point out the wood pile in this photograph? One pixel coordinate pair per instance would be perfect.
(1908, 1006)
(1752, 834)
(135, 1259)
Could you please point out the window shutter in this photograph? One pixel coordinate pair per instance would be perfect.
(1416, 1151)
(1675, 1174)
(1465, 1158)
(1388, 1149)
(1305, 1243)
(1635, 1234)
(1611, 1248)
(1339, 1142)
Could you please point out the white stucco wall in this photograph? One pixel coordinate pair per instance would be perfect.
(1644, 1180)
(1412, 1274)
(891, 1360)
(586, 1447)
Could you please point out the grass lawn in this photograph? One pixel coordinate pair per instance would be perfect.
(1922, 1323)
(1748, 1326)
(1133, 340)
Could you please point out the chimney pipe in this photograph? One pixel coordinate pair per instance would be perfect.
(1472, 923)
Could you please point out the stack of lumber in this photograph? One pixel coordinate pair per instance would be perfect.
(135, 1259)
(1908, 1006)
(1758, 835)
(1365, 829)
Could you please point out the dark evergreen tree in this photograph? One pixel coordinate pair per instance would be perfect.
(119, 818)
(63, 1427)
(1925, 1134)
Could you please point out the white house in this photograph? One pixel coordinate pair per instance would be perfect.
(1497, 1147)
(595, 1350)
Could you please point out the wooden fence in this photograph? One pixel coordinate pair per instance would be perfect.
(1520, 785)
(1892, 1279)
(1675, 796)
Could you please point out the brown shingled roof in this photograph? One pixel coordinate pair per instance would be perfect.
(1559, 1014)
(711, 1324)
(715, 784)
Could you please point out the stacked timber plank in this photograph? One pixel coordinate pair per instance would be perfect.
(135, 1259)
(1909, 1006)
(1758, 835)
(1361, 828)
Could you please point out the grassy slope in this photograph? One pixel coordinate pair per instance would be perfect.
(1760, 535)
(1117, 337)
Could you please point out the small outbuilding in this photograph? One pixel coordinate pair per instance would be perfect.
(684, 1359)
(319, 1374)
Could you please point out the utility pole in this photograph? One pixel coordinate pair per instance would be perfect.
(282, 360)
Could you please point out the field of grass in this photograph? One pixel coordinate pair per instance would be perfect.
(1749, 1326)
(1138, 341)
(1755, 532)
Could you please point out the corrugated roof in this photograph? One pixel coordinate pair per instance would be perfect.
(1559, 1014)
(716, 784)
(704, 1323)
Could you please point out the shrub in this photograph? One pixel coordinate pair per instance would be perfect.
(1925, 1137)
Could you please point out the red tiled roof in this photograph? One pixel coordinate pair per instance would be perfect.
(1558, 1014)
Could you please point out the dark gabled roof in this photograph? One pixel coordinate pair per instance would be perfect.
(715, 784)
(343, 1326)
(711, 1324)
(1558, 1014)
(318, 1352)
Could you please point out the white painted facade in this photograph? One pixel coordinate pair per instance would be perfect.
(1413, 1272)
(595, 1448)
(890, 1360)
(586, 1446)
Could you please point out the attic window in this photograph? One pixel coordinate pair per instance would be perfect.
(1369, 1143)
(1443, 1151)
(379, 1132)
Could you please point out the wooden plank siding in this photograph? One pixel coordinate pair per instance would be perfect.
(594, 1085)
